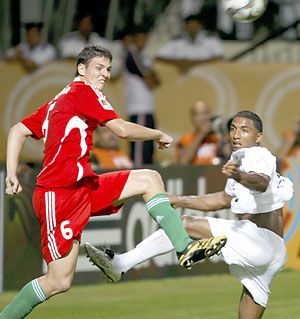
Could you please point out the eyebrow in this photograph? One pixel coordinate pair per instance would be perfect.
(243, 126)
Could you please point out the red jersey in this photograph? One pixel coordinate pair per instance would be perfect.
(66, 124)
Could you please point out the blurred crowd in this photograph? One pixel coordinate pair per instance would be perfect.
(204, 25)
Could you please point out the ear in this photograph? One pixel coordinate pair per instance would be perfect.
(81, 69)
(258, 138)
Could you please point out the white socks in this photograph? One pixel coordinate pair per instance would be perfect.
(156, 244)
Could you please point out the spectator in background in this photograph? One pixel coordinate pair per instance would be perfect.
(202, 145)
(74, 42)
(107, 153)
(140, 81)
(194, 46)
(34, 52)
(290, 146)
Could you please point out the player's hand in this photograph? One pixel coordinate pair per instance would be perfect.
(164, 141)
(232, 169)
(12, 185)
(174, 200)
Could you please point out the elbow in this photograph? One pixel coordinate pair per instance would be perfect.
(263, 187)
(225, 201)
(119, 127)
(122, 133)
(264, 183)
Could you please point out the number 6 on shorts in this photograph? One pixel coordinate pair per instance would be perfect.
(67, 232)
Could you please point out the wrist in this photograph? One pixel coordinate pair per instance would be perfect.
(237, 176)
(183, 201)
(159, 134)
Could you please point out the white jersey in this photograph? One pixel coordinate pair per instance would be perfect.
(204, 47)
(40, 54)
(280, 189)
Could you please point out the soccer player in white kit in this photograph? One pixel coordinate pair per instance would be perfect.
(255, 251)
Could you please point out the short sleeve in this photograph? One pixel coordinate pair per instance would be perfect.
(259, 160)
(92, 104)
(34, 122)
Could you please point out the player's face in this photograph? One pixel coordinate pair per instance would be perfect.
(243, 133)
(96, 72)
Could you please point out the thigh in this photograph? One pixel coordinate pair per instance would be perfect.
(62, 214)
(64, 267)
(145, 182)
(106, 191)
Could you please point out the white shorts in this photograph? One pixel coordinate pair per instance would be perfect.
(254, 255)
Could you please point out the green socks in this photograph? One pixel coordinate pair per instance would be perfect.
(161, 210)
(28, 297)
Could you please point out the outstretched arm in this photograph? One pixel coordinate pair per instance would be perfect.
(15, 141)
(135, 132)
(208, 202)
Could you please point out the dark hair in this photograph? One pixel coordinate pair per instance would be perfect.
(140, 28)
(88, 53)
(31, 25)
(251, 116)
(82, 15)
(192, 17)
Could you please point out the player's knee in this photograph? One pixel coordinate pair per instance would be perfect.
(151, 179)
(188, 223)
(155, 178)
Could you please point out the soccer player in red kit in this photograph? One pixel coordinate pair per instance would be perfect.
(68, 192)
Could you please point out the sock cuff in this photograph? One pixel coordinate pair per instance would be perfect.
(157, 199)
(38, 290)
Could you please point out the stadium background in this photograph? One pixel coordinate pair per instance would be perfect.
(270, 89)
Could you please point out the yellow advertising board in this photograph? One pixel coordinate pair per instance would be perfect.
(292, 215)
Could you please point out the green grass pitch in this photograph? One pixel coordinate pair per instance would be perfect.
(205, 297)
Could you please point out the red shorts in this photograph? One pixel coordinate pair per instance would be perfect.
(64, 212)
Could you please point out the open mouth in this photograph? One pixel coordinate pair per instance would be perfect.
(236, 145)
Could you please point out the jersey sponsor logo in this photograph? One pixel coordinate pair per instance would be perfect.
(101, 98)
(105, 104)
